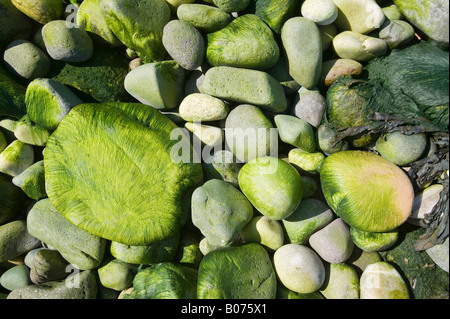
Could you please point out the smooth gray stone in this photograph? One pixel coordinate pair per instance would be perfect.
(15, 240)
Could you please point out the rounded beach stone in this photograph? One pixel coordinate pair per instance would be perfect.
(333, 242)
(202, 107)
(66, 43)
(16, 158)
(15, 240)
(117, 274)
(382, 281)
(402, 149)
(342, 282)
(397, 33)
(245, 86)
(439, 254)
(322, 12)
(48, 265)
(332, 69)
(264, 231)
(158, 84)
(359, 47)
(209, 135)
(220, 211)
(299, 268)
(204, 17)
(31, 133)
(368, 241)
(424, 203)
(306, 161)
(15, 277)
(247, 42)
(25, 59)
(184, 43)
(310, 216)
(392, 12)
(241, 272)
(326, 137)
(310, 107)
(249, 133)
(32, 181)
(302, 42)
(42, 11)
(273, 186)
(296, 132)
(360, 259)
(83, 250)
(232, 5)
(361, 16)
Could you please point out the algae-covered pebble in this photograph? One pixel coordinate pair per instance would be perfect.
(42, 11)
(184, 43)
(31, 133)
(402, 149)
(264, 231)
(204, 17)
(27, 60)
(299, 268)
(382, 281)
(368, 241)
(276, 12)
(359, 47)
(117, 274)
(32, 181)
(309, 162)
(273, 186)
(342, 282)
(367, 191)
(247, 42)
(241, 272)
(296, 132)
(310, 216)
(16, 158)
(220, 211)
(66, 43)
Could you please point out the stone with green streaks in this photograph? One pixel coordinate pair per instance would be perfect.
(158, 84)
(276, 12)
(77, 246)
(310, 216)
(82, 285)
(402, 149)
(273, 186)
(241, 272)
(139, 25)
(302, 42)
(204, 17)
(247, 42)
(306, 161)
(42, 11)
(32, 181)
(16, 158)
(341, 282)
(232, 5)
(382, 281)
(220, 211)
(296, 132)
(48, 102)
(91, 18)
(112, 167)
(368, 241)
(66, 43)
(245, 86)
(31, 133)
(431, 17)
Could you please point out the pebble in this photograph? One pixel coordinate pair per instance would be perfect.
(368, 241)
(326, 139)
(273, 186)
(360, 259)
(65, 43)
(15, 277)
(42, 11)
(439, 254)
(392, 12)
(231, 5)
(48, 101)
(382, 281)
(302, 42)
(361, 16)
(32, 181)
(16, 158)
(402, 149)
(424, 203)
(78, 247)
(220, 211)
(265, 231)
(207, 134)
(117, 274)
(203, 107)
(146, 82)
(204, 17)
(245, 86)
(249, 133)
(306, 161)
(222, 165)
(310, 216)
(333, 242)
(342, 282)
(48, 265)
(220, 274)
(276, 12)
(247, 42)
(322, 12)
(359, 47)
(31, 133)
(25, 59)
(15, 240)
(184, 44)
(296, 132)
(309, 106)
(334, 68)
(299, 268)
(397, 33)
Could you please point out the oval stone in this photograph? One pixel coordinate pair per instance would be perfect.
(359, 47)
(322, 12)
(361, 16)
(402, 149)
(381, 280)
(202, 107)
(15, 240)
(204, 17)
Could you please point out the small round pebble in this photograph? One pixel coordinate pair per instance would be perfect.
(202, 107)
(322, 12)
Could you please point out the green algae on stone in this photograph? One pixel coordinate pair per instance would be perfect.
(48, 102)
(306, 161)
(246, 42)
(295, 131)
(97, 151)
(369, 241)
(16, 158)
(245, 86)
(139, 25)
(402, 149)
(241, 272)
(276, 12)
(117, 274)
(31, 133)
(367, 191)
(273, 186)
(32, 181)
(204, 17)
(341, 282)
(42, 11)
(382, 281)
(77, 246)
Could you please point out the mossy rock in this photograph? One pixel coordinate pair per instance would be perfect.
(12, 95)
